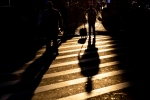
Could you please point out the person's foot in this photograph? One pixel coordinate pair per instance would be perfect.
(94, 38)
(56, 53)
(49, 53)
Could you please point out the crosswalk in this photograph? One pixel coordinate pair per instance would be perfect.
(79, 72)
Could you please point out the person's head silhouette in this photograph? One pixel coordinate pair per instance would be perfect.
(49, 5)
(91, 6)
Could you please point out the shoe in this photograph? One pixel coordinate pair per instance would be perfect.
(56, 53)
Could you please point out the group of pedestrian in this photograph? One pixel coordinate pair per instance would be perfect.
(52, 19)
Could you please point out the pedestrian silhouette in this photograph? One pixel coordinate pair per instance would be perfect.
(88, 67)
(98, 7)
(91, 19)
(51, 21)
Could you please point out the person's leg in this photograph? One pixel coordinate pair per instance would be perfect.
(93, 26)
(48, 44)
(55, 44)
(89, 29)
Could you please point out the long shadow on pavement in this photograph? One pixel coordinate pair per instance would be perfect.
(133, 52)
(89, 68)
(29, 79)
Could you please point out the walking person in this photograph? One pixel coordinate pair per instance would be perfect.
(91, 14)
(51, 21)
(98, 7)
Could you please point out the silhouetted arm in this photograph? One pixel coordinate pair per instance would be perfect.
(60, 20)
(42, 19)
(86, 12)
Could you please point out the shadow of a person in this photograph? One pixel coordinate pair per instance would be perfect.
(32, 79)
(89, 63)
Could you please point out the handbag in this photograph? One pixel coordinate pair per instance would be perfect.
(83, 32)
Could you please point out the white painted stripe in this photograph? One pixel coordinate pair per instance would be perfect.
(10, 83)
(77, 81)
(69, 46)
(62, 64)
(98, 36)
(60, 73)
(67, 83)
(76, 40)
(77, 70)
(5, 97)
(30, 62)
(84, 60)
(97, 92)
(18, 64)
(72, 55)
(66, 51)
(101, 46)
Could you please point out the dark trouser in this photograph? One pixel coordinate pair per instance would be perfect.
(53, 38)
(92, 25)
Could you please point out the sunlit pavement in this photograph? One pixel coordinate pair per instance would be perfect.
(98, 26)
(80, 71)
(107, 70)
